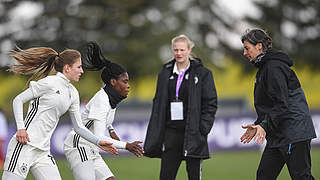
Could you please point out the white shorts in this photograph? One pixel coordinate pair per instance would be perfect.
(76, 152)
(87, 160)
(22, 158)
(92, 170)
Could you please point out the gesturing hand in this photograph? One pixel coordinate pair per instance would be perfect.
(135, 148)
(22, 136)
(253, 131)
(260, 134)
(249, 134)
(108, 147)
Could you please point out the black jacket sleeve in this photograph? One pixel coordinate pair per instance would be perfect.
(263, 123)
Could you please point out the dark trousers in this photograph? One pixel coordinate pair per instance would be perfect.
(173, 155)
(296, 156)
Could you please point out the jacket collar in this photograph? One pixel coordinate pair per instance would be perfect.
(258, 61)
(195, 62)
(59, 74)
(175, 68)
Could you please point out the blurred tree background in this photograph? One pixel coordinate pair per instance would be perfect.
(138, 33)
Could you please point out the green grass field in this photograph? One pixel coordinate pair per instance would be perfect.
(222, 166)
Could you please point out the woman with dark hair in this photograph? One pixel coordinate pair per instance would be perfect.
(50, 97)
(283, 114)
(84, 158)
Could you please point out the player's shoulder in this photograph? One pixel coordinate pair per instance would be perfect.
(100, 97)
(49, 80)
(46, 82)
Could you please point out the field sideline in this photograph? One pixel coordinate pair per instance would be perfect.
(222, 166)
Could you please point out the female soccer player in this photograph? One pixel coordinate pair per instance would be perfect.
(84, 158)
(50, 97)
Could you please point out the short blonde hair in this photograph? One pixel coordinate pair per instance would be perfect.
(182, 38)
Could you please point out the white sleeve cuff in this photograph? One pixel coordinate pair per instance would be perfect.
(115, 143)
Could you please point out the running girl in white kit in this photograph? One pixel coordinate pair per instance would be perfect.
(50, 97)
(84, 158)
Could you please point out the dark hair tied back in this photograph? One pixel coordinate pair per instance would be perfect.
(94, 59)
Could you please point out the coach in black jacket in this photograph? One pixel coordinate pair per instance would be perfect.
(185, 139)
(283, 114)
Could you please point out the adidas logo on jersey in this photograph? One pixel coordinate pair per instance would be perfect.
(58, 92)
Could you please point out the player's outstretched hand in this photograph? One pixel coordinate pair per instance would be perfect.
(113, 135)
(22, 136)
(108, 147)
(135, 148)
(249, 134)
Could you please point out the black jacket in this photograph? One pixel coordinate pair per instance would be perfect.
(280, 101)
(200, 114)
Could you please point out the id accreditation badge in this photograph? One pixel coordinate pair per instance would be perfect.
(176, 110)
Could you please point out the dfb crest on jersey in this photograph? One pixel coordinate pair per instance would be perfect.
(92, 152)
(24, 168)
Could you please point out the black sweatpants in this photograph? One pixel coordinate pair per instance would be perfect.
(296, 156)
(173, 155)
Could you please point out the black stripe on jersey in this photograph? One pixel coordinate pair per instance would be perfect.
(52, 159)
(76, 144)
(76, 137)
(82, 153)
(76, 140)
(33, 112)
(85, 157)
(17, 150)
(15, 156)
(81, 150)
(89, 124)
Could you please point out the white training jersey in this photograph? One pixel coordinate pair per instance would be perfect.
(99, 111)
(53, 96)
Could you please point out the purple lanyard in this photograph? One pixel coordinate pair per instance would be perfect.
(179, 81)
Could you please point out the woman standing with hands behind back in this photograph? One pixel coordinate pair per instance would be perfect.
(50, 97)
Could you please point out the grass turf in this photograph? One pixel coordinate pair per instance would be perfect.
(232, 165)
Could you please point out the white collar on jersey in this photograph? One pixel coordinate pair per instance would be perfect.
(175, 69)
(63, 76)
